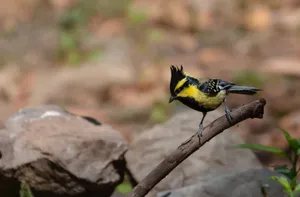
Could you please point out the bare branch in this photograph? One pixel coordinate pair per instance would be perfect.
(252, 110)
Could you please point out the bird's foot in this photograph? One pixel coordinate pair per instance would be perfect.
(228, 116)
(200, 129)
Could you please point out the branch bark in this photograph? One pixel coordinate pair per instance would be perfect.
(252, 110)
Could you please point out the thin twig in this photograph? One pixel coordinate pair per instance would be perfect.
(254, 109)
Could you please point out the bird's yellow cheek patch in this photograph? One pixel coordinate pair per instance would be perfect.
(190, 91)
(180, 83)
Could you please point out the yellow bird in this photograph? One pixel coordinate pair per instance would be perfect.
(203, 95)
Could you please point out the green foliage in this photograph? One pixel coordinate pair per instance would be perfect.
(94, 55)
(297, 188)
(71, 35)
(159, 112)
(136, 16)
(285, 183)
(155, 35)
(67, 41)
(263, 148)
(25, 190)
(124, 188)
(73, 27)
(283, 169)
(248, 78)
(113, 8)
(81, 12)
(289, 178)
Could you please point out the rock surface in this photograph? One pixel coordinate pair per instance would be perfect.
(236, 184)
(216, 157)
(57, 153)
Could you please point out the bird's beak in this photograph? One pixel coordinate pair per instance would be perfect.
(172, 98)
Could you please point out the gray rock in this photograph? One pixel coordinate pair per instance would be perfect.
(236, 184)
(57, 153)
(214, 158)
(117, 194)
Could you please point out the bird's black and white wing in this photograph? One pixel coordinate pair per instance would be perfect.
(214, 86)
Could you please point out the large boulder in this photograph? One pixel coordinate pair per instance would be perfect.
(236, 184)
(60, 154)
(216, 157)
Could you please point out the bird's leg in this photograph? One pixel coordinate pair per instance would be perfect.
(200, 129)
(227, 111)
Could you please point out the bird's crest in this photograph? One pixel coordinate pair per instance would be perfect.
(177, 74)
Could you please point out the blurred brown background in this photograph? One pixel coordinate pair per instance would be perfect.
(110, 59)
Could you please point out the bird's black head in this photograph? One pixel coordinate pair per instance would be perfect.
(177, 75)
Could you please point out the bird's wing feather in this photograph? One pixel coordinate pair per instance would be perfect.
(213, 86)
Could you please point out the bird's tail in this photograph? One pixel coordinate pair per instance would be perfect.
(243, 90)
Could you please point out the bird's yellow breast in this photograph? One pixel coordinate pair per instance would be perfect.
(208, 101)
